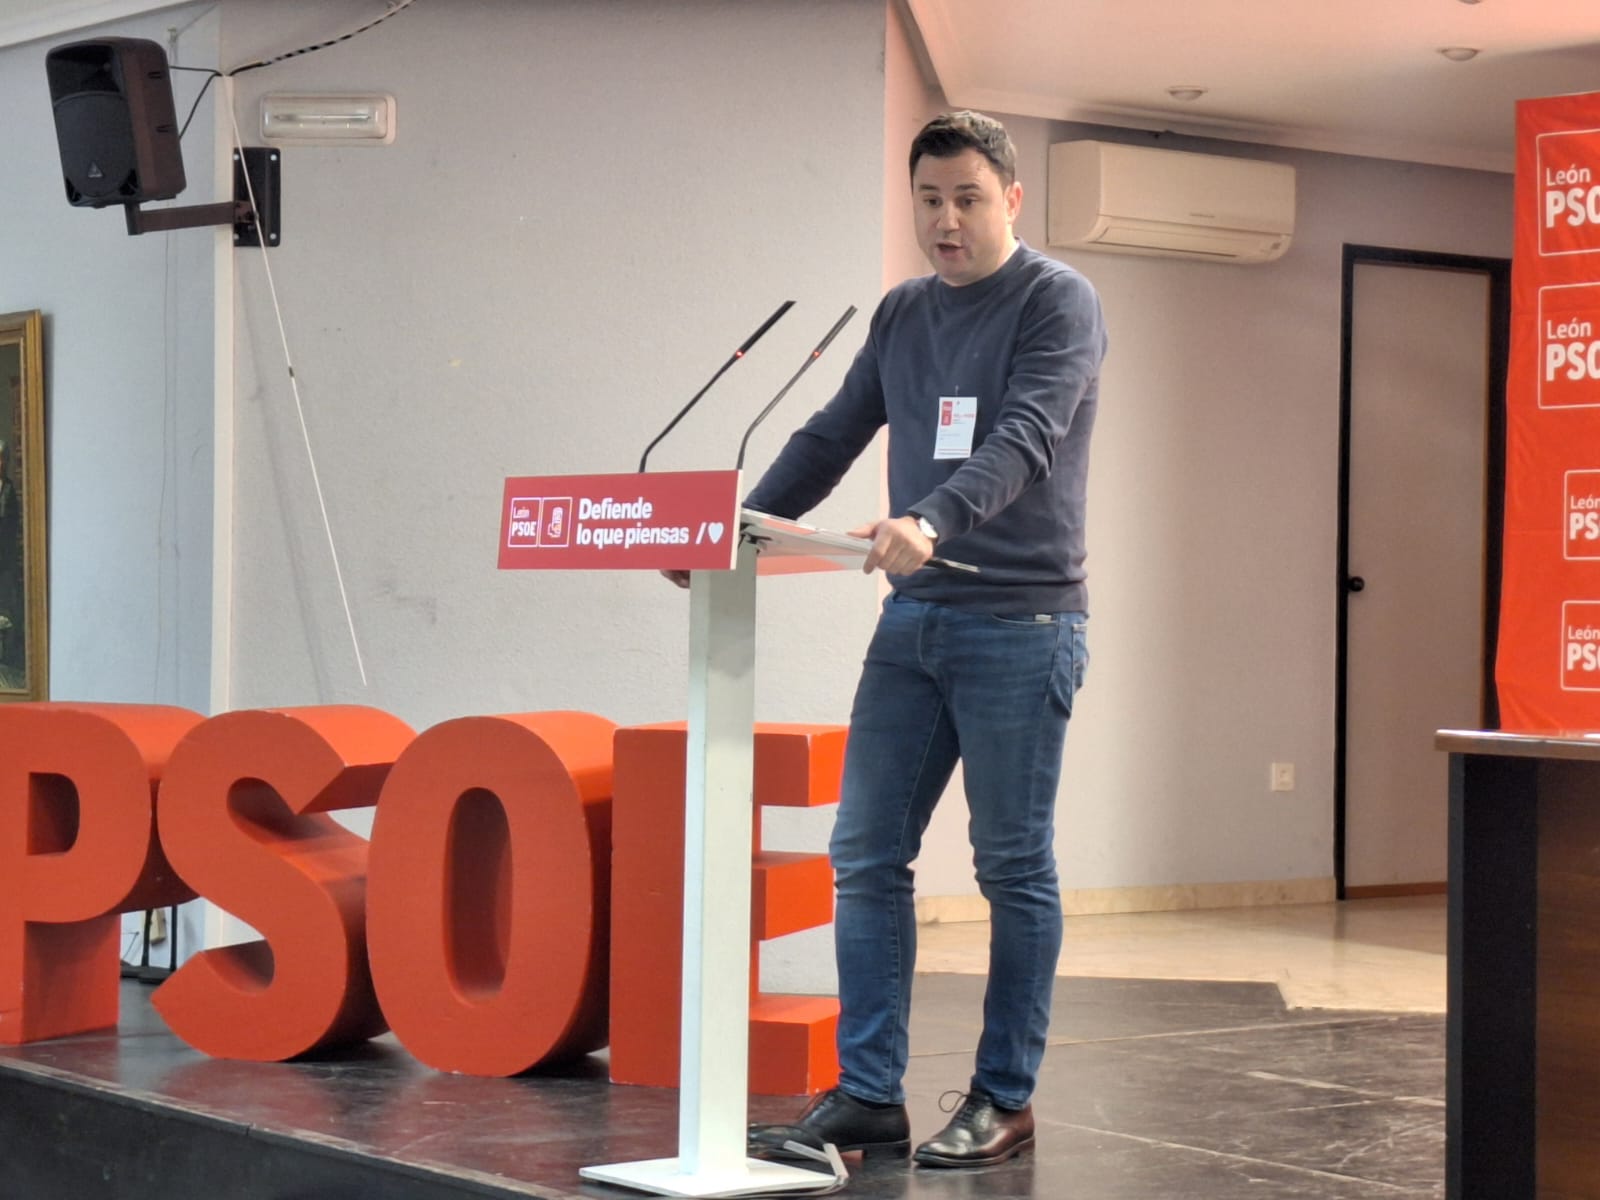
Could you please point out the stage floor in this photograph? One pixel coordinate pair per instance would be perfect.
(1152, 1090)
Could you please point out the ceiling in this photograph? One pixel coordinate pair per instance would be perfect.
(25, 20)
(1350, 76)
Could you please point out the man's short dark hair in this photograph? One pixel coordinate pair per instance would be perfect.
(948, 134)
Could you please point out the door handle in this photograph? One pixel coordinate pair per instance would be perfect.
(1355, 584)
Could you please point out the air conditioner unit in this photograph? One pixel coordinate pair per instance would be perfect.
(1140, 200)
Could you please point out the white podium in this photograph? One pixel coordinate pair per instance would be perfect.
(713, 1105)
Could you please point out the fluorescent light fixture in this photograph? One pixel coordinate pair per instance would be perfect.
(335, 119)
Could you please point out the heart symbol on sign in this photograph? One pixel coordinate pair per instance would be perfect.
(714, 530)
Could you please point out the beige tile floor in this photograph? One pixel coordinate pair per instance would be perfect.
(1378, 955)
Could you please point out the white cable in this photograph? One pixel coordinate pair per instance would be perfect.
(294, 386)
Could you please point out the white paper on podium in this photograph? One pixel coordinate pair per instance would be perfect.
(792, 547)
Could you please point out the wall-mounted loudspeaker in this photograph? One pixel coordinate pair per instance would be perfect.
(115, 121)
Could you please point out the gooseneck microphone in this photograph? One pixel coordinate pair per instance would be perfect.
(784, 391)
(737, 355)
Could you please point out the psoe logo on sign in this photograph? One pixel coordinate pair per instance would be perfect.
(1568, 164)
(1569, 346)
(1581, 515)
(1580, 646)
(539, 522)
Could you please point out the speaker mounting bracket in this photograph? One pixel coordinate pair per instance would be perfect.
(253, 225)
(263, 165)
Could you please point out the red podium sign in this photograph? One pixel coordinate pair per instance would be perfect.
(672, 520)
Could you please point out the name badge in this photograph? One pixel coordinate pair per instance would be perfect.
(958, 416)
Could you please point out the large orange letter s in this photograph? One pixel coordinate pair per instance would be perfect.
(77, 847)
(241, 817)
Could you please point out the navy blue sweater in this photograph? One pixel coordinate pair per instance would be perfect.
(1027, 342)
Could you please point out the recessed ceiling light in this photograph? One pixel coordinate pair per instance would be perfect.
(1186, 92)
(1459, 53)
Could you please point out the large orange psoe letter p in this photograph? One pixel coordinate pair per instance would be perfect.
(241, 817)
(77, 847)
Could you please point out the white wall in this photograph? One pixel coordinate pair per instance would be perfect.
(910, 101)
(586, 209)
(128, 394)
(1212, 526)
(804, 961)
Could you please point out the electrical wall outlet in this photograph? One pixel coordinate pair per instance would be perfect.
(1282, 777)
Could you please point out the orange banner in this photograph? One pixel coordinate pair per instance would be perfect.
(1548, 669)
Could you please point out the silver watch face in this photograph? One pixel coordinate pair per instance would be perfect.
(928, 531)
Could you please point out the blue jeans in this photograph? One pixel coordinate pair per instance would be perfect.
(940, 684)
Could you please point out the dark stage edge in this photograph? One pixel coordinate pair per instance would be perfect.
(1152, 1090)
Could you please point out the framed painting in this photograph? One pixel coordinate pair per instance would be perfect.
(24, 590)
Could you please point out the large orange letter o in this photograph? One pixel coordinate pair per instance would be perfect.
(489, 891)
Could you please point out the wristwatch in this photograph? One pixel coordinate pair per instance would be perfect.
(925, 525)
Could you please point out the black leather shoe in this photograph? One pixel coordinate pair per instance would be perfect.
(980, 1134)
(837, 1117)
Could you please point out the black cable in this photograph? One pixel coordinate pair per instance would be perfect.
(212, 75)
(267, 62)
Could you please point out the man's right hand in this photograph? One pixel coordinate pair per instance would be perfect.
(898, 546)
(681, 578)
